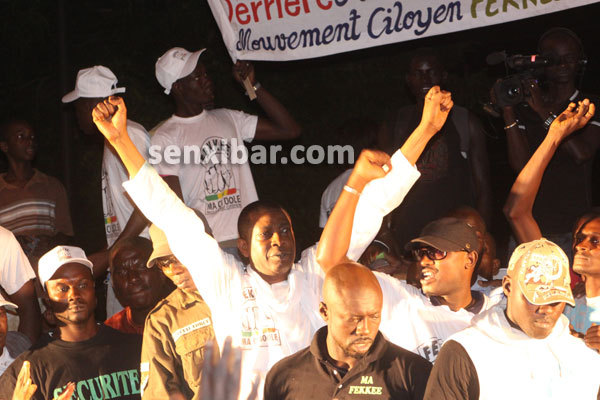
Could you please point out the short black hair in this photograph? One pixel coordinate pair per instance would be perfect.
(564, 32)
(252, 212)
(6, 123)
(137, 242)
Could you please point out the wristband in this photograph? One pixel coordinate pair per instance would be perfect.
(549, 120)
(256, 86)
(351, 190)
(507, 127)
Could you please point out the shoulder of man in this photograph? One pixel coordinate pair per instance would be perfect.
(290, 367)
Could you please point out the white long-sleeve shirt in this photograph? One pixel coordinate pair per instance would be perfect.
(268, 322)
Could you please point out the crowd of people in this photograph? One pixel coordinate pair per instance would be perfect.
(403, 296)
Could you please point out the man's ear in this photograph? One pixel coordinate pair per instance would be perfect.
(4, 147)
(506, 285)
(243, 247)
(472, 258)
(323, 311)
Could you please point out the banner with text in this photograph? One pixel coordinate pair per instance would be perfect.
(295, 29)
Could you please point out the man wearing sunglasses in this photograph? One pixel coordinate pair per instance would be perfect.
(447, 252)
(176, 331)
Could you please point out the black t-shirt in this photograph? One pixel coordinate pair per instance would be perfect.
(566, 188)
(105, 366)
(445, 181)
(385, 372)
(453, 376)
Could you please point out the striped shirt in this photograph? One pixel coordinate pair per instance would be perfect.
(38, 208)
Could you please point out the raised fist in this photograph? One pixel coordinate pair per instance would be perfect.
(110, 116)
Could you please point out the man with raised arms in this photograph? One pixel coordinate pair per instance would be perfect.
(447, 251)
(268, 306)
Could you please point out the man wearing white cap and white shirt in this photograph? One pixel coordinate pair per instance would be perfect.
(524, 350)
(121, 218)
(100, 361)
(218, 189)
(16, 278)
(11, 343)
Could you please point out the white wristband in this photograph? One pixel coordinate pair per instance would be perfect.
(351, 190)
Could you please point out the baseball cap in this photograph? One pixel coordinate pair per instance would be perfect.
(160, 245)
(57, 257)
(175, 64)
(541, 269)
(97, 81)
(4, 302)
(447, 234)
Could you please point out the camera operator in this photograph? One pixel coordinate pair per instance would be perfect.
(566, 188)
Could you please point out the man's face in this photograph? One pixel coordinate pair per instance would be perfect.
(424, 72)
(587, 249)
(197, 87)
(176, 272)
(535, 321)
(83, 113)
(71, 293)
(444, 276)
(136, 285)
(566, 53)
(3, 328)
(20, 142)
(353, 321)
(490, 265)
(272, 245)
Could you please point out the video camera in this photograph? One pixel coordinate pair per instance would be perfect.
(510, 90)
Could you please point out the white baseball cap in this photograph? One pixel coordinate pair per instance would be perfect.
(4, 302)
(175, 64)
(97, 81)
(57, 257)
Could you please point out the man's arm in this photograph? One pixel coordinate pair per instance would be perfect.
(480, 168)
(185, 231)
(336, 237)
(279, 124)
(453, 376)
(516, 140)
(30, 316)
(519, 205)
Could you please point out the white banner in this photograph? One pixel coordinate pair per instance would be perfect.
(295, 29)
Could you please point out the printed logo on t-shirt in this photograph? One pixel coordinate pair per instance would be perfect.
(108, 386)
(220, 192)
(430, 349)
(258, 327)
(370, 389)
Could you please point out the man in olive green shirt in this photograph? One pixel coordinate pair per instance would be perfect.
(176, 332)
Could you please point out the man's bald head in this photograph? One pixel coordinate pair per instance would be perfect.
(345, 280)
(352, 301)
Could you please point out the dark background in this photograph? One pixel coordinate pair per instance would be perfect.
(45, 43)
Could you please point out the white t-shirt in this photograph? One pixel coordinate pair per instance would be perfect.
(116, 205)
(217, 189)
(411, 321)
(330, 196)
(268, 322)
(15, 269)
(5, 360)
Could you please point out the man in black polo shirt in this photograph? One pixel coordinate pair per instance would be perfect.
(349, 358)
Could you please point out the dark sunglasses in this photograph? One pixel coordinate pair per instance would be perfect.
(431, 253)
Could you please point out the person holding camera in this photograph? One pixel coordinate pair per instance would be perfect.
(565, 191)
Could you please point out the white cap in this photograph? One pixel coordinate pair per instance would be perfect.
(97, 81)
(57, 257)
(175, 64)
(4, 302)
